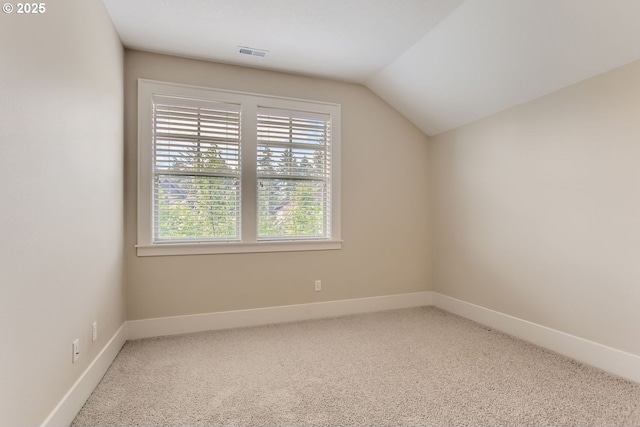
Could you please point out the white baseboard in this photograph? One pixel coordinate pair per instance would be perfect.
(67, 409)
(260, 316)
(608, 359)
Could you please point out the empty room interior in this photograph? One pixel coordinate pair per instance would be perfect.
(320, 212)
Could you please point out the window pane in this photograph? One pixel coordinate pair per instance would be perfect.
(289, 208)
(294, 166)
(197, 170)
(196, 208)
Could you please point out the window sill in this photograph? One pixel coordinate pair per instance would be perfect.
(208, 248)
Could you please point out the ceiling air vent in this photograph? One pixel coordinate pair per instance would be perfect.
(252, 51)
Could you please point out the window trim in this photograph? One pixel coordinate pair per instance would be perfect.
(249, 103)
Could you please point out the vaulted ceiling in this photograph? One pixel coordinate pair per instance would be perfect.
(441, 63)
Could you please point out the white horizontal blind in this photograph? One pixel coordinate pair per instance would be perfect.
(294, 174)
(196, 161)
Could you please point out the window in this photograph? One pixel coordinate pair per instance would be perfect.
(196, 170)
(294, 185)
(229, 172)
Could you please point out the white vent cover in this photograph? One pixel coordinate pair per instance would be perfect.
(252, 51)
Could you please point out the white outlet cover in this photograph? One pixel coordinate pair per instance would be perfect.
(75, 347)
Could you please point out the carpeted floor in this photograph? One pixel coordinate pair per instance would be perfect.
(419, 366)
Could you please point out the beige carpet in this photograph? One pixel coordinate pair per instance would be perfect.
(418, 366)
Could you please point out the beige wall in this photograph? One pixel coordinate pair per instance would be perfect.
(536, 210)
(61, 261)
(384, 206)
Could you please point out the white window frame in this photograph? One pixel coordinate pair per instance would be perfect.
(249, 103)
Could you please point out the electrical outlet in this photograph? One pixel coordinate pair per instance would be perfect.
(94, 331)
(76, 350)
(318, 285)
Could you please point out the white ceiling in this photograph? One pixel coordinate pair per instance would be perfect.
(341, 39)
(441, 63)
(490, 55)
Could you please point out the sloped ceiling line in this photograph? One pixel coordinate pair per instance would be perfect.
(441, 63)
